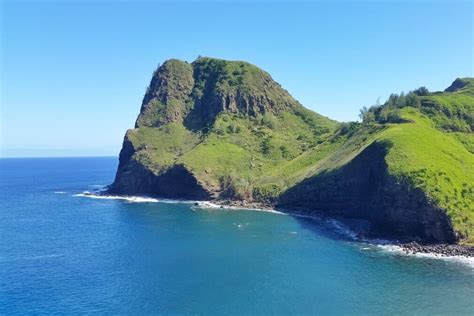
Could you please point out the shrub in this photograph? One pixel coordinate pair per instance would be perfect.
(266, 146)
(233, 129)
(348, 128)
(285, 153)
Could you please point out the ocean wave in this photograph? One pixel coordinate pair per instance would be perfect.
(98, 186)
(60, 192)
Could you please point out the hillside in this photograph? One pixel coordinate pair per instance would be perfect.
(221, 124)
(225, 130)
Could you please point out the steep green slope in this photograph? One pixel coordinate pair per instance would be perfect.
(216, 129)
(423, 162)
(437, 163)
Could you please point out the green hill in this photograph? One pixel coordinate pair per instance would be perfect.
(225, 130)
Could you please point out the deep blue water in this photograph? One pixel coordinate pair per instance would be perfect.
(66, 254)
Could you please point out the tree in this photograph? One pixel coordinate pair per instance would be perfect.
(363, 112)
(421, 91)
(413, 100)
(266, 146)
(367, 115)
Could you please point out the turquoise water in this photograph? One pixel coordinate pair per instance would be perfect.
(67, 254)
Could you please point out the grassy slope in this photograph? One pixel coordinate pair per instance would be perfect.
(436, 162)
(158, 148)
(246, 148)
(452, 111)
(243, 147)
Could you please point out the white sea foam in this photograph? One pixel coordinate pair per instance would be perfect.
(136, 199)
(210, 205)
(98, 186)
(342, 229)
(130, 198)
(59, 192)
(394, 249)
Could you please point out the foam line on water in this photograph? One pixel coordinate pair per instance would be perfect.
(135, 199)
(210, 205)
(130, 198)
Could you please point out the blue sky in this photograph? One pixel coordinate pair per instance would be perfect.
(73, 74)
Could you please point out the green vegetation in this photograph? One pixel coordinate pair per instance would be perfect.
(433, 148)
(451, 111)
(437, 163)
(243, 136)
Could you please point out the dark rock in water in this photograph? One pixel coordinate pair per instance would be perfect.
(176, 183)
(133, 178)
(441, 249)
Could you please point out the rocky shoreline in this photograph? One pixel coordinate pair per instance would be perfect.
(413, 247)
(446, 250)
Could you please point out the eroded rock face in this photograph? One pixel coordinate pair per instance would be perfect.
(176, 182)
(456, 85)
(363, 189)
(196, 93)
(168, 97)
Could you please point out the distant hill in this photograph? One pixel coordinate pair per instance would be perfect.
(225, 130)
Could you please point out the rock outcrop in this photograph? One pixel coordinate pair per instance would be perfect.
(135, 178)
(225, 130)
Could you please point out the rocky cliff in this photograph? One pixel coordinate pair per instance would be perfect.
(364, 189)
(225, 130)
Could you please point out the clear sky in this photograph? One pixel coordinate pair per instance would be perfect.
(73, 74)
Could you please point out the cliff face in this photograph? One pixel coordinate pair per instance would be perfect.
(136, 178)
(196, 93)
(364, 189)
(168, 96)
(225, 130)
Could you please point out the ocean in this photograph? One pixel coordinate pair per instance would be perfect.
(65, 253)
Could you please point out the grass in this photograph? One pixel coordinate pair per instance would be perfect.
(437, 163)
(158, 148)
(249, 147)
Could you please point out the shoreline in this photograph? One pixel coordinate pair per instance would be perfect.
(408, 248)
(446, 250)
